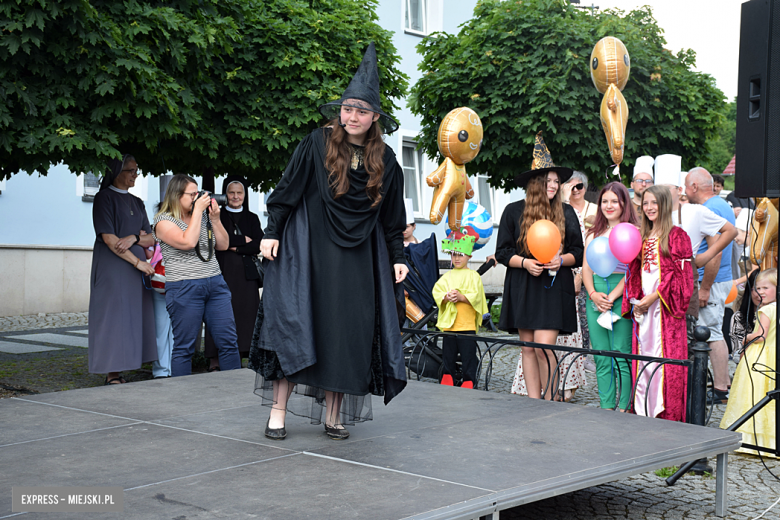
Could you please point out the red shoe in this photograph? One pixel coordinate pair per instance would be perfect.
(446, 379)
(467, 384)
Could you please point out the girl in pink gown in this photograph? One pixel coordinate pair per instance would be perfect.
(659, 283)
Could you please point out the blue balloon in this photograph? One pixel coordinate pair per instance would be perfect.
(600, 257)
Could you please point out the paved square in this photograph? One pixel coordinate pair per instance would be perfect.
(22, 348)
(57, 339)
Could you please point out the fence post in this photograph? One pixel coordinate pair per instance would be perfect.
(698, 393)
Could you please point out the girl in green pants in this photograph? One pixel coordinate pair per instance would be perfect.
(612, 374)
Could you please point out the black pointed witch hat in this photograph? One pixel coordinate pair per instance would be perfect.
(542, 163)
(362, 92)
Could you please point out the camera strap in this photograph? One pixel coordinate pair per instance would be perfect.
(210, 240)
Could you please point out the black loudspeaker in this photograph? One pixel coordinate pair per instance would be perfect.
(758, 101)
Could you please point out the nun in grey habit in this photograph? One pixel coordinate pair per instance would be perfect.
(121, 311)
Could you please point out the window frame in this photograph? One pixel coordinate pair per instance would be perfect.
(406, 8)
(410, 139)
(478, 193)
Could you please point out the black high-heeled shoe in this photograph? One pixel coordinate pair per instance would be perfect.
(275, 434)
(337, 434)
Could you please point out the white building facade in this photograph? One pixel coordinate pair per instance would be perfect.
(46, 236)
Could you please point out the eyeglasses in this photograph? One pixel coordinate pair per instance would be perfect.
(192, 195)
(134, 170)
(643, 182)
(578, 186)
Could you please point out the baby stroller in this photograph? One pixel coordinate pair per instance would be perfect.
(422, 352)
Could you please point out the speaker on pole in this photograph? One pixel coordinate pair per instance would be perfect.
(758, 101)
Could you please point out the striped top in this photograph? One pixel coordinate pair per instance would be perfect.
(185, 264)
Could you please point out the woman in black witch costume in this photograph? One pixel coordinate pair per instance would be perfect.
(328, 322)
(538, 306)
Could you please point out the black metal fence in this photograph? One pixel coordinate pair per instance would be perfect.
(423, 357)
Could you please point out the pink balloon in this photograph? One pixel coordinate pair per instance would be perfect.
(625, 242)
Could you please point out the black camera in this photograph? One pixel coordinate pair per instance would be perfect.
(220, 198)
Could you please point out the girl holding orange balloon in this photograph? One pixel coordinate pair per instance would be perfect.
(539, 242)
(605, 295)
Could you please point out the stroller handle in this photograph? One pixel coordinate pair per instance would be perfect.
(486, 267)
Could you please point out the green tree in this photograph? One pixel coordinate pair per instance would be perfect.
(208, 86)
(524, 67)
(723, 144)
(79, 79)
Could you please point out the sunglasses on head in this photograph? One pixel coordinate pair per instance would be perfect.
(578, 186)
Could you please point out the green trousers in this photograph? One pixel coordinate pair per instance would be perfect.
(611, 373)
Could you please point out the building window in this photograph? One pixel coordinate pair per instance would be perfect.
(485, 194)
(91, 186)
(416, 15)
(413, 170)
(261, 198)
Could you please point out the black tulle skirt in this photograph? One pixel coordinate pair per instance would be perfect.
(310, 402)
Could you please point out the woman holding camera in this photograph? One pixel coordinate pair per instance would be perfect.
(195, 291)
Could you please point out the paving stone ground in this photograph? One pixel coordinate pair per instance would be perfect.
(751, 489)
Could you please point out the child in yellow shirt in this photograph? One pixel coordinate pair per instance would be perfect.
(461, 300)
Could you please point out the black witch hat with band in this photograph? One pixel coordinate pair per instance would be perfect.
(542, 163)
(362, 92)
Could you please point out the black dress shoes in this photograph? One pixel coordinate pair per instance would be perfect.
(337, 434)
(275, 434)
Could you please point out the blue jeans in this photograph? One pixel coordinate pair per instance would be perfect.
(192, 302)
(162, 323)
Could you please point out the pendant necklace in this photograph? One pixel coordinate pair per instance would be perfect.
(129, 207)
(357, 157)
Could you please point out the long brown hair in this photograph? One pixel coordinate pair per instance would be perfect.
(663, 220)
(627, 213)
(339, 155)
(539, 207)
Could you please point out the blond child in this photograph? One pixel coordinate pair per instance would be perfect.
(756, 371)
(461, 300)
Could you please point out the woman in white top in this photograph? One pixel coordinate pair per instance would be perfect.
(195, 291)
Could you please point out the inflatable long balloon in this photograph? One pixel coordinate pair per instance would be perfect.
(763, 234)
(459, 139)
(610, 66)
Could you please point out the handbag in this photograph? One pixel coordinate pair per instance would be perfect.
(158, 278)
(260, 268)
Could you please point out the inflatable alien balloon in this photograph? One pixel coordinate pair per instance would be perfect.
(460, 137)
(609, 69)
(763, 234)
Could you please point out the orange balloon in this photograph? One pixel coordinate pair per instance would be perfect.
(543, 240)
(732, 294)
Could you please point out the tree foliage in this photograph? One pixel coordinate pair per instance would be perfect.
(723, 144)
(523, 67)
(222, 86)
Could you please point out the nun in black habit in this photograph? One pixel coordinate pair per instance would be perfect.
(238, 266)
(328, 322)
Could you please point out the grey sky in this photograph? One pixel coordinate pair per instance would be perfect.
(709, 27)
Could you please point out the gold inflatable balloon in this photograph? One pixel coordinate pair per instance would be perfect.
(460, 137)
(763, 242)
(610, 66)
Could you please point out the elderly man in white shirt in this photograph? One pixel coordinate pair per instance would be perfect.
(700, 223)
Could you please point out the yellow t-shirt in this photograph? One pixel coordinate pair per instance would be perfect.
(464, 319)
(461, 316)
